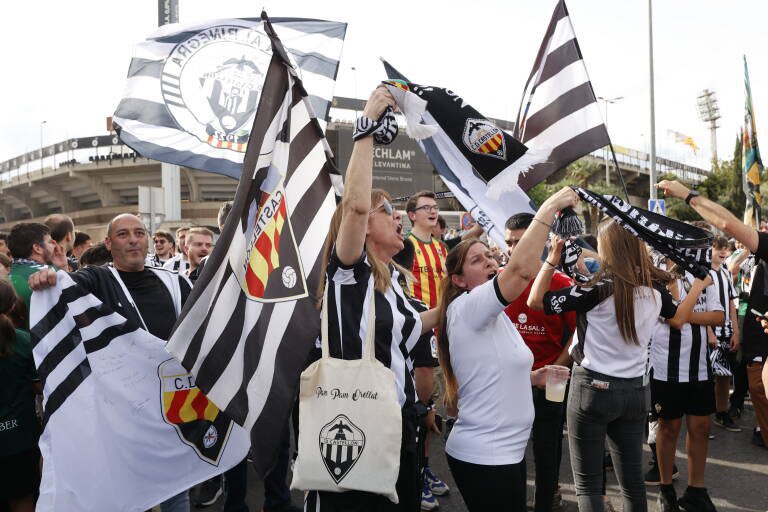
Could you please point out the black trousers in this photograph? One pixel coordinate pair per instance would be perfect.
(489, 488)
(547, 436)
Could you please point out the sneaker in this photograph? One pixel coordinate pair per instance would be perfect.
(428, 500)
(210, 491)
(652, 476)
(667, 500)
(437, 486)
(734, 412)
(757, 439)
(696, 499)
(723, 420)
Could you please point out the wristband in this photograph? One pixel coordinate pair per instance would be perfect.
(549, 226)
(551, 265)
(691, 195)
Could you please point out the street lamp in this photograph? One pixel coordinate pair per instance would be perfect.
(41, 145)
(608, 101)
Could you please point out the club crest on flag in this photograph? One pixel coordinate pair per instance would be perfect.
(197, 421)
(484, 138)
(273, 270)
(341, 444)
(210, 94)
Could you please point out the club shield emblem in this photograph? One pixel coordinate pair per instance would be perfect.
(341, 444)
(197, 421)
(484, 138)
(212, 80)
(272, 270)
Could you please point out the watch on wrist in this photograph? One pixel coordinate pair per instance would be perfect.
(690, 196)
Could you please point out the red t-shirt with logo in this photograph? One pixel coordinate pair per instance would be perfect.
(545, 335)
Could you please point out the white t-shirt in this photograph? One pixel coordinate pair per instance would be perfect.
(598, 344)
(492, 365)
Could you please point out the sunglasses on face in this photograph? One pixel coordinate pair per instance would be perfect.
(428, 208)
(386, 206)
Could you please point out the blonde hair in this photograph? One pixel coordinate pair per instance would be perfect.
(382, 277)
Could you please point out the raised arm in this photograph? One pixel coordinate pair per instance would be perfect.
(356, 203)
(544, 277)
(525, 259)
(715, 214)
(685, 309)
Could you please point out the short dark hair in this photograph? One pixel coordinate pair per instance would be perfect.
(519, 221)
(4, 236)
(226, 207)
(24, 235)
(720, 242)
(410, 206)
(95, 256)
(80, 238)
(441, 222)
(165, 234)
(60, 226)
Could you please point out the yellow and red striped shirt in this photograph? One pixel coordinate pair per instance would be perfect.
(428, 269)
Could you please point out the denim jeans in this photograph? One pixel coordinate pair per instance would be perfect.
(547, 436)
(179, 503)
(618, 413)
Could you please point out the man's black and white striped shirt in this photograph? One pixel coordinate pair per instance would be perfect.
(726, 292)
(398, 324)
(681, 355)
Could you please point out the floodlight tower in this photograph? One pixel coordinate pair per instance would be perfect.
(709, 112)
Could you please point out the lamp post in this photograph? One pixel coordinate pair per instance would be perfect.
(608, 101)
(652, 191)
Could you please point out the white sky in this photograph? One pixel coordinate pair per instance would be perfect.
(65, 62)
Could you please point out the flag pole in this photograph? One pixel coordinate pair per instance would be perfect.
(653, 111)
(621, 176)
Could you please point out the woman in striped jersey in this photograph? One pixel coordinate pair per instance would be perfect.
(365, 234)
(615, 316)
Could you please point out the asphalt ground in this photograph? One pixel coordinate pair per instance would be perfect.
(736, 475)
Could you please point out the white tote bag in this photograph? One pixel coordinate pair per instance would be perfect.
(350, 425)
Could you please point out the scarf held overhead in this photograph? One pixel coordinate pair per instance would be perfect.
(686, 245)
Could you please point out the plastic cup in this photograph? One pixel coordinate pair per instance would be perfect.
(557, 379)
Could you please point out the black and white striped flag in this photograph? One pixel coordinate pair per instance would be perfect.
(558, 110)
(192, 91)
(115, 401)
(251, 318)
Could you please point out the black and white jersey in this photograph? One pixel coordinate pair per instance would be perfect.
(398, 324)
(681, 355)
(177, 264)
(726, 292)
(598, 344)
(153, 260)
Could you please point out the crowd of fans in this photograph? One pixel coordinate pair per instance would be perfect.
(480, 331)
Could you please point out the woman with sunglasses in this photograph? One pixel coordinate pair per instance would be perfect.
(364, 235)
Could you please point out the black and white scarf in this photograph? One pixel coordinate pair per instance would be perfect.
(688, 246)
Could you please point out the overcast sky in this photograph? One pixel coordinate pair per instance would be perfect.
(65, 62)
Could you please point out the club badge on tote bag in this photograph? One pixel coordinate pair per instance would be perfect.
(350, 425)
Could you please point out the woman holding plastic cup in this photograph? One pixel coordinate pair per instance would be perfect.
(487, 365)
(616, 314)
